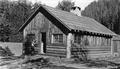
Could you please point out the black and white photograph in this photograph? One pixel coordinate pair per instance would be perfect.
(59, 34)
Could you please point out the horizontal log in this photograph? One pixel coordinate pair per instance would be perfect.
(98, 46)
(94, 47)
(56, 51)
(53, 49)
(95, 55)
(91, 49)
(92, 53)
(57, 44)
(100, 52)
(57, 47)
(56, 55)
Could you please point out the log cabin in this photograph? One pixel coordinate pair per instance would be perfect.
(58, 33)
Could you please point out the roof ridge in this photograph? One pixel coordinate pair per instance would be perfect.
(56, 17)
(63, 11)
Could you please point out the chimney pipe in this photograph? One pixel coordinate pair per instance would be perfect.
(76, 10)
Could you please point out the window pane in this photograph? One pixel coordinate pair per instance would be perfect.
(57, 38)
(77, 39)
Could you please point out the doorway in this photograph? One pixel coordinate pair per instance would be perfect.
(43, 39)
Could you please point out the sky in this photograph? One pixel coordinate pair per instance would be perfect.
(53, 3)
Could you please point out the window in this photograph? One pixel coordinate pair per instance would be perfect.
(77, 39)
(57, 38)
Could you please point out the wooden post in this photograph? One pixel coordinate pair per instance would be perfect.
(112, 47)
(24, 33)
(69, 40)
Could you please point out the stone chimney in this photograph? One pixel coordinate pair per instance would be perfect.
(76, 10)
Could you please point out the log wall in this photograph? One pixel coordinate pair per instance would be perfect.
(96, 46)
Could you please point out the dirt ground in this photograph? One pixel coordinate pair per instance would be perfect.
(47, 62)
(18, 64)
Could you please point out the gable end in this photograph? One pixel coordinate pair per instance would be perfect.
(56, 21)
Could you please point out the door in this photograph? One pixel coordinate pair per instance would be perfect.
(43, 39)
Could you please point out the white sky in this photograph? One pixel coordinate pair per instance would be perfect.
(53, 3)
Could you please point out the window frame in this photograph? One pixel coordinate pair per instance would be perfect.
(59, 39)
(78, 38)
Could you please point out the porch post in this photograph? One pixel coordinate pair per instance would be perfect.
(69, 39)
(112, 47)
(24, 33)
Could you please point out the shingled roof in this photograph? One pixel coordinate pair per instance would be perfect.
(74, 22)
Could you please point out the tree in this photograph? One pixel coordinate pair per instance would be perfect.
(65, 5)
(107, 12)
(13, 14)
(17, 13)
(4, 33)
